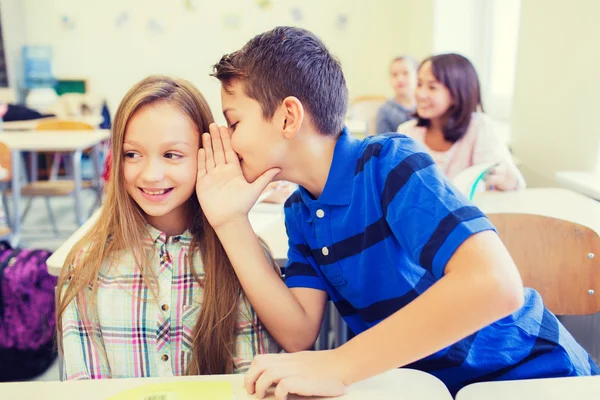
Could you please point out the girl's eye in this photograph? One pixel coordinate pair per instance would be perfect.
(172, 156)
(233, 126)
(131, 154)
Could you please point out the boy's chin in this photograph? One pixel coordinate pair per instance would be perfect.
(250, 175)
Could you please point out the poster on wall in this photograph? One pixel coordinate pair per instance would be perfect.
(297, 15)
(232, 21)
(122, 20)
(264, 4)
(342, 21)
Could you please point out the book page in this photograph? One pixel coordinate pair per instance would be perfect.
(202, 390)
(470, 180)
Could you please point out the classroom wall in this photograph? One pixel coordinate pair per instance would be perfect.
(556, 103)
(91, 44)
(13, 35)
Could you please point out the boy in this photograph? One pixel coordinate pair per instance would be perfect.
(416, 271)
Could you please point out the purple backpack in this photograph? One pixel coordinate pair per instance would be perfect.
(27, 320)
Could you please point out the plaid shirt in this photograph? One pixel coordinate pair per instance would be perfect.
(137, 337)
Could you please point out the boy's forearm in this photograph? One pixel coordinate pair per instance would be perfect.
(276, 306)
(433, 321)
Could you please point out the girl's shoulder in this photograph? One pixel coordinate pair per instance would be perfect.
(482, 128)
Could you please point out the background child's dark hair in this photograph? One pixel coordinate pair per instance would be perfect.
(458, 74)
(289, 61)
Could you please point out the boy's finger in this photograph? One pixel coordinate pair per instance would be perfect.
(217, 145)
(208, 151)
(231, 156)
(252, 376)
(201, 163)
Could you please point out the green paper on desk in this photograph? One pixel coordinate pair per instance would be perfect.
(217, 390)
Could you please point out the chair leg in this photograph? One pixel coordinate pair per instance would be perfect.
(51, 216)
(26, 210)
(55, 167)
(6, 211)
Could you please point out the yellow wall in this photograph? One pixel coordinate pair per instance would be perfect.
(557, 90)
(114, 58)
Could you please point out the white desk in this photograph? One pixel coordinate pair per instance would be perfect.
(550, 202)
(71, 141)
(573, 388)
(266, 219)
(587, 183)
(395, 384)
(357, 127)
(31, 124)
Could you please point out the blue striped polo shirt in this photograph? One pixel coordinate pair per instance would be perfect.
(382, 232)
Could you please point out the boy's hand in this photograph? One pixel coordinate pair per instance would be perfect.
(223, 192)
(307, 373)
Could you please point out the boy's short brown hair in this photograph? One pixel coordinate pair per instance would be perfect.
(289, 61)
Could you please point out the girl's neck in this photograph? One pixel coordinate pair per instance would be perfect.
(173, 223)
(434, 137)
(405, 100)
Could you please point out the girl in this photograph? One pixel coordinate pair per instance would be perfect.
(451, 124)
(398, 109)
(149, 291)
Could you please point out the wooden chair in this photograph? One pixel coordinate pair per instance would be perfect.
(54, 187)
(365, 108)
(558, 258)
(5, 176)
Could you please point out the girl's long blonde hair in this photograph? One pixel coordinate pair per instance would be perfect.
(122, 226)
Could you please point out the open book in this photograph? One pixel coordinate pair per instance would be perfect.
(208, 390)
(471, 180)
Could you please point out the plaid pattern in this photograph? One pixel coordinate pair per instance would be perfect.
(135, 336)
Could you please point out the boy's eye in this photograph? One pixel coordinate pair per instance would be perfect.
(233, 126)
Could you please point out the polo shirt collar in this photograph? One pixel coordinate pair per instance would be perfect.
(338, 188)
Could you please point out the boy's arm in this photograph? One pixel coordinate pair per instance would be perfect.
(293, 318)
(477, 282)
(481, 285)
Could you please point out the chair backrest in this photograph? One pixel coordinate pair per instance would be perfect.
(365, 108)
(60, 125)
(558, 258)
(5, 162)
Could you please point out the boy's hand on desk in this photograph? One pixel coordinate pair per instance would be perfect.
(223, 192)
(307, 373)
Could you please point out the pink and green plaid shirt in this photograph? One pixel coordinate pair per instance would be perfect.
(137, 337)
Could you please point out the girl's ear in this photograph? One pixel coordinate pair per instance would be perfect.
(293, 114)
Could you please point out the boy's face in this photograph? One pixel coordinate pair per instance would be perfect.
(259, 143)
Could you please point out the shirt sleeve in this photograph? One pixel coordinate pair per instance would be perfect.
(252, 338)
(84, 352)
(301, 269)
(425, 213)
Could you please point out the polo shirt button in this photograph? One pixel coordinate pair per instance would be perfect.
(325, 251)
(165, 307)
(320, 213)
(164, 357)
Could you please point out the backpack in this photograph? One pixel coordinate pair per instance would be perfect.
(27, 314)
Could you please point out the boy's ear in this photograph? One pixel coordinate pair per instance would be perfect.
(293, 113)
